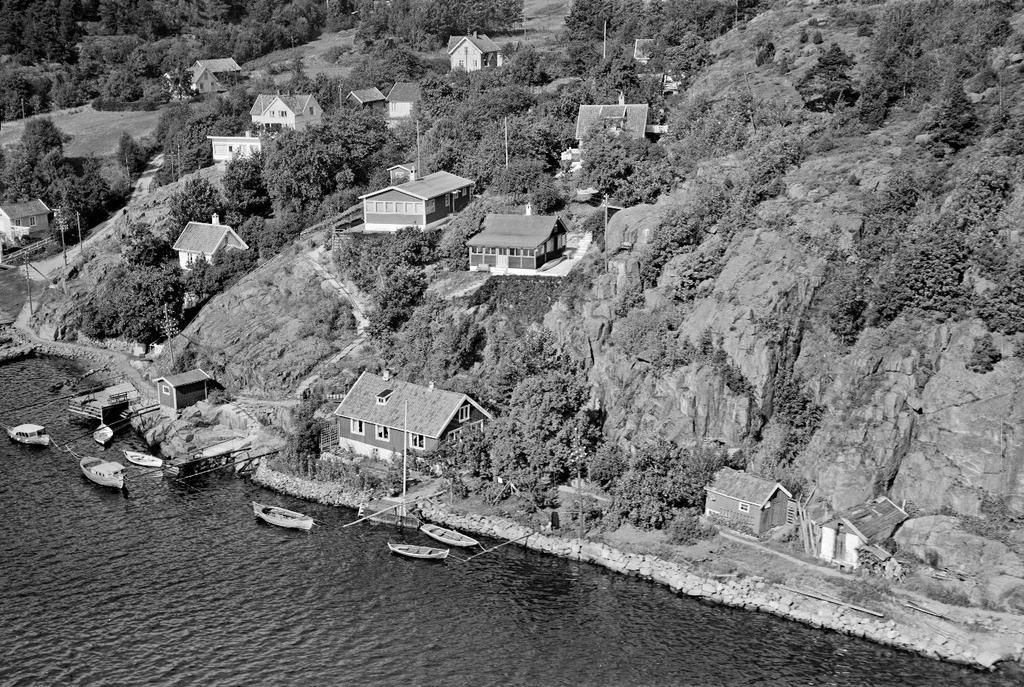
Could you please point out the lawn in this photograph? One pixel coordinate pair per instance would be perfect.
(92, 133)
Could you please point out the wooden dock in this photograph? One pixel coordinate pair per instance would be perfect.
(106, 404)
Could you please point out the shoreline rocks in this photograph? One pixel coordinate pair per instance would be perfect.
(752, 593)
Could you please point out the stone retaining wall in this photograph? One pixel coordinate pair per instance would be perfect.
(753, 594)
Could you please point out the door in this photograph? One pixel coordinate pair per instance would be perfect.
(502, 260)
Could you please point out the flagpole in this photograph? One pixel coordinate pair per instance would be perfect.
(405, 456)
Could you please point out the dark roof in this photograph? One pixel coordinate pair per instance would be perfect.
(217, 65)
(744, 486)
(28, 208)
(185, 378)
(515, 231)
(367, 95)
(404, 92)
(875, 521)
(430, 186)
(632, 119)
(203, 237)
(480, 40)
(430, 410)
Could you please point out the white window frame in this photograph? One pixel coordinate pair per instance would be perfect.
(357, 426)
(430, 206)
(744, 507)
(417, 441)
(464, 416)
(382, 433)
(455, 435)
(165, 389)
(32, 221)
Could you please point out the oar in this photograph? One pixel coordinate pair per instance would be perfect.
(372, 515)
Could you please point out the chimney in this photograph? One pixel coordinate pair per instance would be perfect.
(215, 220)
(248, 133)
(529, 209)
(622, 98)
(412, 174)
(474, 35)
(386, 374)
(431, 386)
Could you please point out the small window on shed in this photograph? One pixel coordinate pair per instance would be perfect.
(744, 507)
(382, 397)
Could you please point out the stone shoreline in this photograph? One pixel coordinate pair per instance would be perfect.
(750, 593)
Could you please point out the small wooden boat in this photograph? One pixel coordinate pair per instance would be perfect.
(449, 537)
(411, 551)
(29, 434)
(282, 517)
(143, 459)
(103, 435)
(106, 473)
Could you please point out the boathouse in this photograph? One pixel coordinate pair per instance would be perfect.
(858, 531)
(380, 415)
(179, 391)
(517, 244)
(419, 203)
(746, 502)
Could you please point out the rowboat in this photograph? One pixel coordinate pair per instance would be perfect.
(143, 459)
(103, 435)
(106, 473)
(282, 517)
(29, 434)
(449, 537)
(411, 551)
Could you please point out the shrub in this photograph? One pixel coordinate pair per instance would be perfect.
(984, 355)
(817, 38)
(687, 528)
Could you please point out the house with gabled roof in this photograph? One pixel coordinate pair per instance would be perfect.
(473, 52)
(175, 392)
(849, 534)
(643, 49)
(367, 98)
(277, 112)
(401, 99)
(381, 417)
(517, 244)
(202, 240)
(215, 75)
(629, 120)
(402, 173)
(420, 202)
(746, 502)
(24, 220)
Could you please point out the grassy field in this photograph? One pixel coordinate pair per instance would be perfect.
(92, 133)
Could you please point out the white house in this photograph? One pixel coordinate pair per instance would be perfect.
(201, 241)
(401, 98)
(861, 528)
(420, 203)
(227, 148)
(214, 76)
(473, 53)
(19, 221)
(277, 112)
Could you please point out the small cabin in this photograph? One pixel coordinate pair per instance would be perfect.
(20, 221)
(859, 531)
(419, 202)
(517, 244)
(402, 173)
(746, 502)
(473, 53)
(201, 241)
(214, 76)
(401, 99)
(228, 148)
(179, 391)
(367, 99)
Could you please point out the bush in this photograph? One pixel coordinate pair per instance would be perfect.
(687, 528)
(984, 355)
(817, 39)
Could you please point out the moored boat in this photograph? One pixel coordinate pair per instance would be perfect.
(282, 517)
(106, 473)
(34, 435)
(143, 459)
(427, 552)
(103, 435)
(447, 536)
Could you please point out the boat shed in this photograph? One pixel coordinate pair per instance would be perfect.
(746, 502)
(179, 391)
(860, 529)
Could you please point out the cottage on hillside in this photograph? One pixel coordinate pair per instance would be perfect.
(420, 203)
(227, 148)
(401, 99)
(381, 416)
(517, 244)
(277, 112)
(620, 120)
(367, 99)
(747, 502)
(179, 391)
(25, 220)
(402, 173)
(473, 53)
(214, 76)
(854, 533)
(201, 241)
(643, 49)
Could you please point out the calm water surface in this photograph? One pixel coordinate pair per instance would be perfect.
(172, 585)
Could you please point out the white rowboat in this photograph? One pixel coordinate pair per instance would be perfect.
(29, 434)
(449, 537)
(103, 435)
(411, 551)
(282, 517)
(143, 459)
(106, 473)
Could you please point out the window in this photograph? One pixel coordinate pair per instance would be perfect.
(282, 113)
(455, 435)
(744, 507)
(417, 441)
(389, 207)
(430, 206)
(31, 221)
(383, 396)
(165, 389)
(419, 208)
(464, 413)
(461, 64)
(383, 433)
(447, 201)
(380, 206)
(357, 426)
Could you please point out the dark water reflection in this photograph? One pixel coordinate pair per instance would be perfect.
(178, 586)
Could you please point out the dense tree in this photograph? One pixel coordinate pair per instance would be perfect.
(244, 187)
(955, 124)
(827, 83)
(197, 201)
(631, 170)
(141, 247)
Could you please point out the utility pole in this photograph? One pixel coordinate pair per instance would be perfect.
(506, 142)
(28, 283)
(170, 330)
(419, 169)
(63, 244)
(604, 46)
(81, 245)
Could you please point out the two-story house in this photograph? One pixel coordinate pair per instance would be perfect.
(277, 112)
(202, 240)
(25, 220)
(473, 53)
(419, 202)
(381, 417)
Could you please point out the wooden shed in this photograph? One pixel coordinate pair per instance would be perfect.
(179, 391)
(860, 530)
(746, 501)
